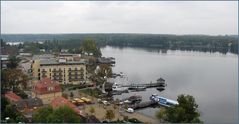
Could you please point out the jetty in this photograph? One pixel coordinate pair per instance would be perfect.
(143, 105)
(160, 82)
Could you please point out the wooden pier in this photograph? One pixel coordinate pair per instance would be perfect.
(149, 85)
(143, 105)
(159, 83)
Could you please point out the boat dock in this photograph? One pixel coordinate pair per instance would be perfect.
(149, 85)
(159, 83)
(143, 105)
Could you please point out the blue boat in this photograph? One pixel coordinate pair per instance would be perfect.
(163, 101)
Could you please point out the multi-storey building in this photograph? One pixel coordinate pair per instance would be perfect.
(61, 70)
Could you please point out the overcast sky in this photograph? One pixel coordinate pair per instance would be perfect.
(159, 17)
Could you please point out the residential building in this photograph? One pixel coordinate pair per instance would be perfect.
(25, 54)
(46, 89)
(61, 101)
(43, 56)
(4, 61)
(60, 69)
(26, 105)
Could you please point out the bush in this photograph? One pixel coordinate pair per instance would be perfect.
(185, 112)
(91, 92)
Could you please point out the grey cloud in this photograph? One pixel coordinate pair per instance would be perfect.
(120, 17)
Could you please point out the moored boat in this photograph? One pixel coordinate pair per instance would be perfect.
(163, 101)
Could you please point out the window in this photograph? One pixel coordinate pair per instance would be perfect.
(50, 88)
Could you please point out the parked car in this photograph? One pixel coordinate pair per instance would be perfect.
(99, 100)
(127, 101)
(105, 102)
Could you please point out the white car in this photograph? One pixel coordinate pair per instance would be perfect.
(127, 101)
(130, 110)
(99, 100)
(121, 103)
(105, 102)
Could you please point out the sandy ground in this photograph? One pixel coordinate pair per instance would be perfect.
(100, 111)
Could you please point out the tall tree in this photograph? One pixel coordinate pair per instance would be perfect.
(63, 114)
(13, 62)
(42, 114)
(12, 78)
(104, 70)
(185, 112)
(89, 46)
(9, 110)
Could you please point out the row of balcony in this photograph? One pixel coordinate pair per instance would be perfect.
(81, 70)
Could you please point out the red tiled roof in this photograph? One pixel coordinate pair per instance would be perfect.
(60, 101)
(12, 96)
(46, 86)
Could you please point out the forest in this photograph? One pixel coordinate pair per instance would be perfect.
(56, 42)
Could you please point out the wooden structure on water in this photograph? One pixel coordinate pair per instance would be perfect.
(143, 105)
(160, 82)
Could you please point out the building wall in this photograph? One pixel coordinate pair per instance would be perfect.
(35, 69)
(47, 98)
(63, 73)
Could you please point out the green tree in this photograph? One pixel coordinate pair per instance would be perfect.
(109, 114)
(89, 46)
(63, 114)
(13, 62)
(41, 115)
(9, 110)
(185, 112)
(104, 70)
(12, 78)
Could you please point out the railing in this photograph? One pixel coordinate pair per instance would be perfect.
(57, 75)
(57, 71)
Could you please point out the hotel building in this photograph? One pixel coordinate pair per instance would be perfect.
(61, 70)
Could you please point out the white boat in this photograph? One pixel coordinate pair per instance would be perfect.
(118, 87)
(163, 101)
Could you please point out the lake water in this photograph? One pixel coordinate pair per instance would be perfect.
(212, 78)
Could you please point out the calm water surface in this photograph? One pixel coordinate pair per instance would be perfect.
(212, 78)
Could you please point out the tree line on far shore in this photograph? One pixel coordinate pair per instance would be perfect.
(205, 43)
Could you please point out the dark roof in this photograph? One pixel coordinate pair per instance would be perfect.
(56, 62)
(160, 79)
(29, 103)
